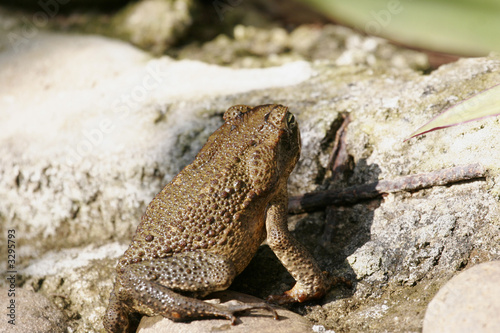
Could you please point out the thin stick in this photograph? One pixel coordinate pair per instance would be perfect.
(318, 200)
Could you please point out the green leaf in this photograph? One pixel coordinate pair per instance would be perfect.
(463, 27)
(484, 104)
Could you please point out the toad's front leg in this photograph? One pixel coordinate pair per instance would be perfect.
(154, 287)
(311, 281)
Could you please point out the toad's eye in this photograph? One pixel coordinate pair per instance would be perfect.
(290, 121)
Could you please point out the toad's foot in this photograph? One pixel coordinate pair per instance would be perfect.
(297, 294)
(300, 293)
(233, 307)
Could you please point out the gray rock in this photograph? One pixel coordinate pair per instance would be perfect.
(257, 321)
(257, 46)
(469, 302)
(30, 312)
(153, 25)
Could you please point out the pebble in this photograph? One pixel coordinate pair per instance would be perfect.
(469, 302)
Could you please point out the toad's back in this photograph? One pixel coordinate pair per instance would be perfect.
(218, 202)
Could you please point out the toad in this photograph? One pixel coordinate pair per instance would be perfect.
(205, 226)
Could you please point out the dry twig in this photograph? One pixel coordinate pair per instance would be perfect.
(350, 195)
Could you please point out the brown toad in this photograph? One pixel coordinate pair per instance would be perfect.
(205, 226)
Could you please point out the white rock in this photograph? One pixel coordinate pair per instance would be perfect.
(469, 302)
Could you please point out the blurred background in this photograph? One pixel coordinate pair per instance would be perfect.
(207, 29)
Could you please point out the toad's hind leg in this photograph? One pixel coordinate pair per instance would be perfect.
(154, 287)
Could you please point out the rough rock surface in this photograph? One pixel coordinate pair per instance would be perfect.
(32, 312)
(91, 129)
(470, 302)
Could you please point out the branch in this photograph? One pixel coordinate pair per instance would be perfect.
(318, 200)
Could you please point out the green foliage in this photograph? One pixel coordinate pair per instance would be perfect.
(484, 104)
(463, 27)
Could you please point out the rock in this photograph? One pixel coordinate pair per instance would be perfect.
(256, 47)
(33, 313)
(469, 302)
(258, 321)
(153, 25)
(83, 286)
